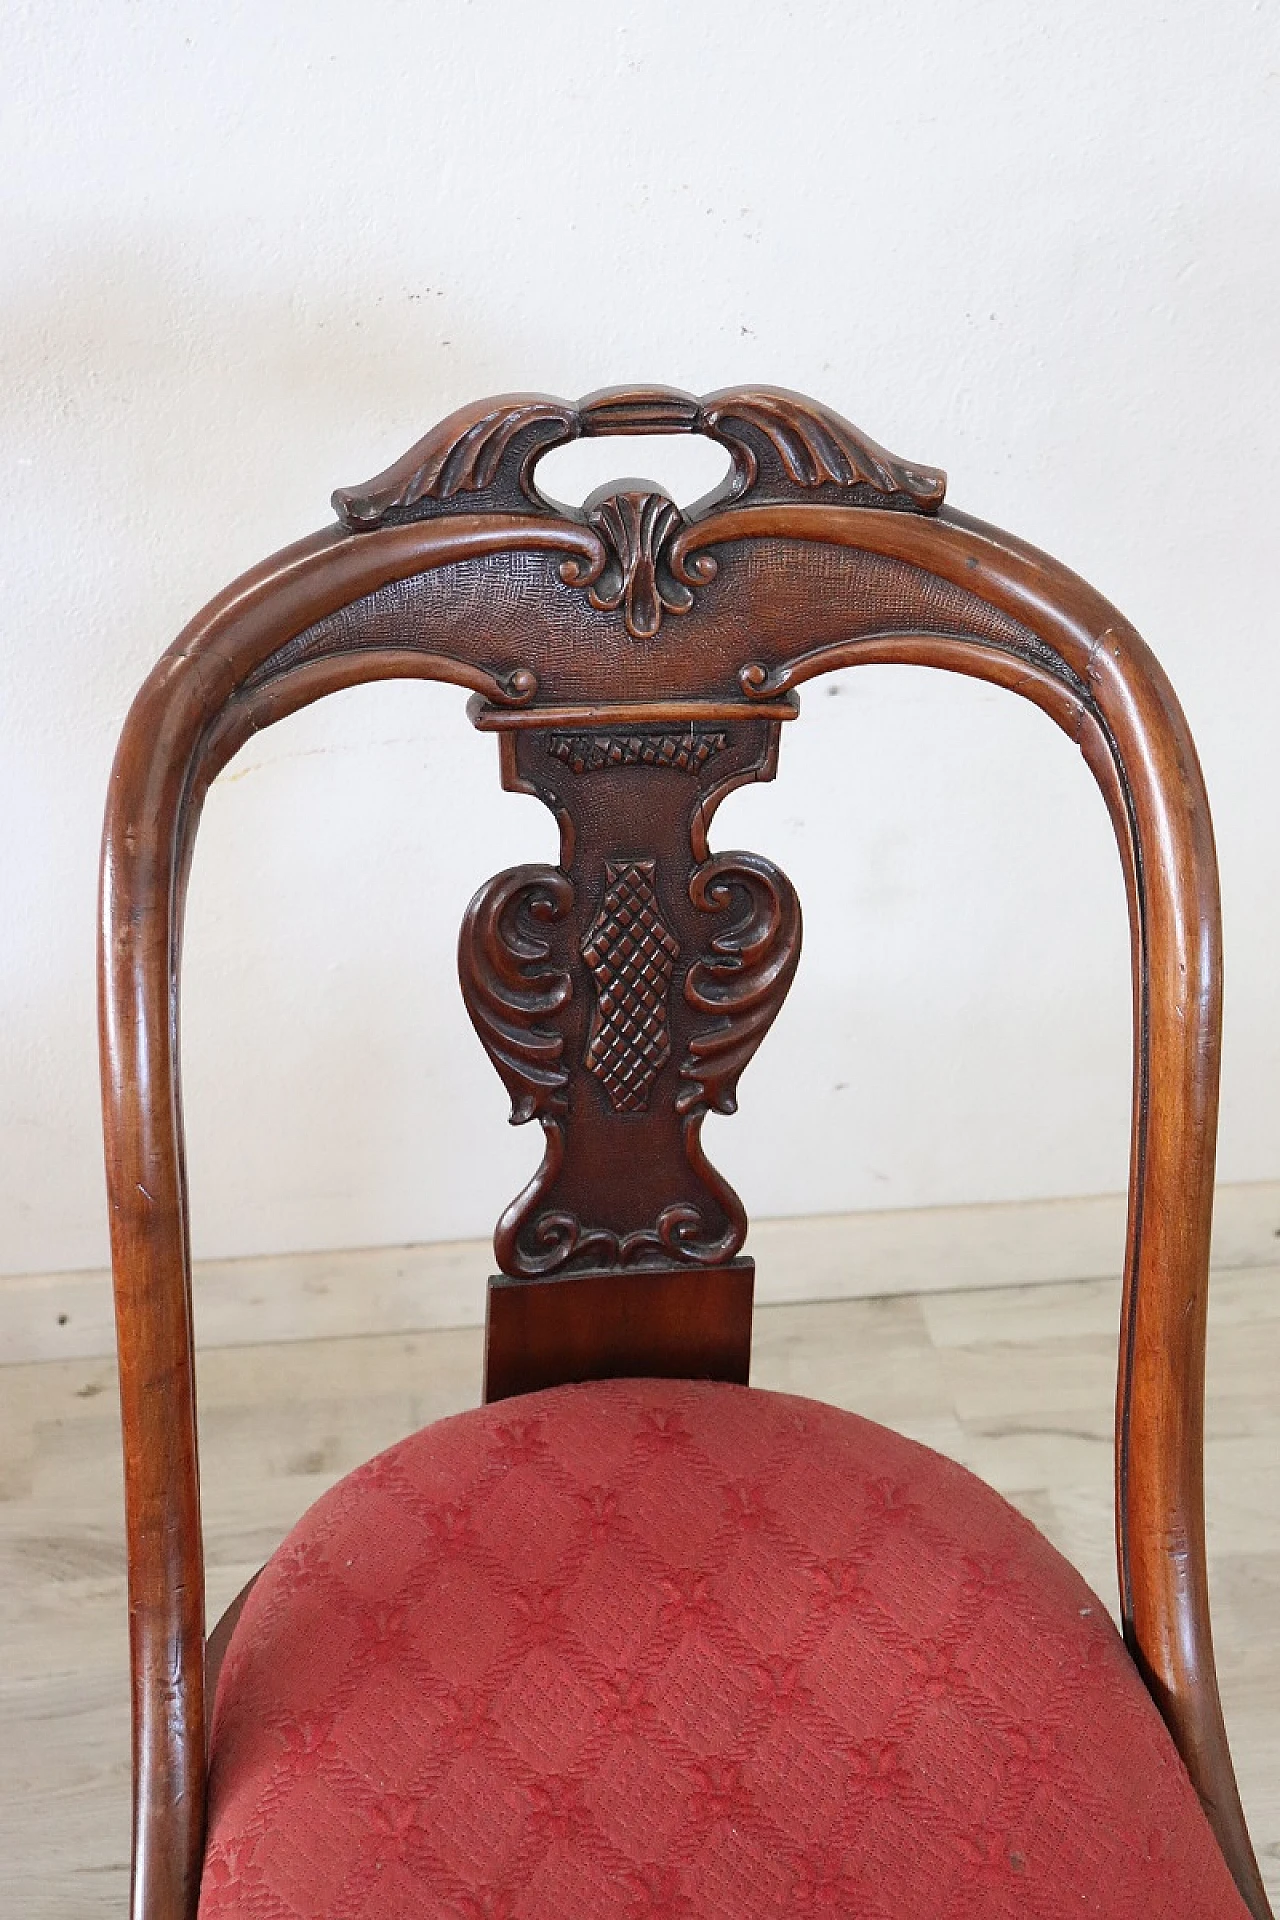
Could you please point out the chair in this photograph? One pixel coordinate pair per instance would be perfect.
(633, 1638)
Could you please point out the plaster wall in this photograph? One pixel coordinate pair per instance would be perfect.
(250, 252)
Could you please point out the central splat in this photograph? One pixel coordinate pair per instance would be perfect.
(621, 993)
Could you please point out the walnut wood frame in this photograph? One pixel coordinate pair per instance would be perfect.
(630, 614)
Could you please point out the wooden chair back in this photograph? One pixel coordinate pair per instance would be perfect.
(636, 663)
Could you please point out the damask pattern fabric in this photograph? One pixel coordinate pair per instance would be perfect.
(661, 1650)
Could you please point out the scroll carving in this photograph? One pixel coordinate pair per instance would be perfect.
(532, 1245)
(761, 682)
(464, 454)
(813, 446)
(737, 987)
(512, 988)
(745, 978)
(645, 559)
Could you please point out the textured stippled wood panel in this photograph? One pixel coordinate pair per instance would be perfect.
(766, 597)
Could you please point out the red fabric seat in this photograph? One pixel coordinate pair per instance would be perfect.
(649, 1650)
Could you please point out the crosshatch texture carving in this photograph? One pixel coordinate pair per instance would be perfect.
(687, 752)
(644, 559)
(776, 603)
(631, 953)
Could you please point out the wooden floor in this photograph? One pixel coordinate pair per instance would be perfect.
(1014, 1382)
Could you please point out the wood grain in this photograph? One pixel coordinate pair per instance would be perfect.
(600, 1326)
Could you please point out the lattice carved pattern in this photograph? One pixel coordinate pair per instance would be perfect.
(631, 953)
(685, 752)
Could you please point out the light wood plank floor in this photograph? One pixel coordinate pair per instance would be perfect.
(1014, 1382)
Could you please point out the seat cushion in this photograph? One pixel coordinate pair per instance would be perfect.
(657, 1650)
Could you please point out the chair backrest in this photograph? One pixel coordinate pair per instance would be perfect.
(636, 663)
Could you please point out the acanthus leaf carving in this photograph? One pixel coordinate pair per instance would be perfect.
(814, 446)
(491, 448)
(513, 991)
(621, 994)
(743, 981)
(646, 558)
(462, 454)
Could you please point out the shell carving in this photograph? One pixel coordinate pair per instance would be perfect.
(636, 530)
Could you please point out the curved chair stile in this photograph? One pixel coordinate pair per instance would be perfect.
(168, 754)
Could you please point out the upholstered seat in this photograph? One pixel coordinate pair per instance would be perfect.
(650, 1648)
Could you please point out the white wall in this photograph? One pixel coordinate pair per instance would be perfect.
(252, 251)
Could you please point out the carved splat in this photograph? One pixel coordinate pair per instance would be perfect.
(621, 995)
